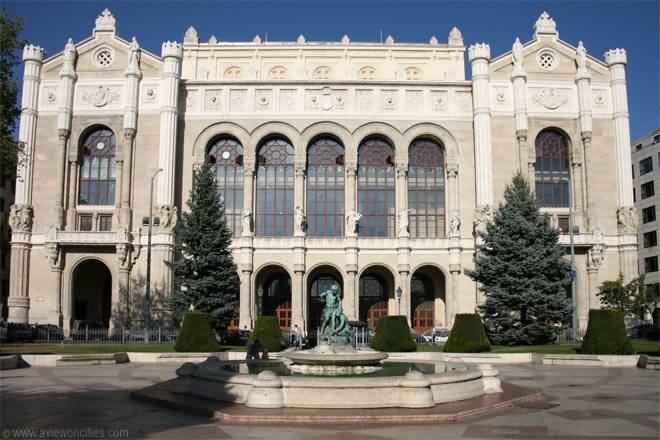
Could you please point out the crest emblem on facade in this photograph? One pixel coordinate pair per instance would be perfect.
(550, 98)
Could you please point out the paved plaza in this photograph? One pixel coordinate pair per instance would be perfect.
(582, 403)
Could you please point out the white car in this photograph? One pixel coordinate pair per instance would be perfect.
(436, 336)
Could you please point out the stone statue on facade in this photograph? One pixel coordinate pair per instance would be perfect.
(133, 53)
(168, 217)
(454, 225)
(247, 222)
(20, 218)
(352, 223)
(596, 252)
(627, 219)
(482, 215)
(581, 56)
(517, 55)
(334, 323)
(404, 223)
(301, 220)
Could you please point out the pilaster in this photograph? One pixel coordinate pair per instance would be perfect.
(519, 82)
(172, 53)
(479, 57)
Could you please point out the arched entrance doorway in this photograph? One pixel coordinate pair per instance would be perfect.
(427, 299)
(319, 280)
(274, 295)
(376, 289)
(92, 292)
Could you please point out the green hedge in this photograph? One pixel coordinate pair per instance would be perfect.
(267, 330)
(606, 334)
(196, 334)
(467, 335)
(393, 334)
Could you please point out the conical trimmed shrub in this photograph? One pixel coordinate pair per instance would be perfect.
(393, 334)
(606, 334)
(196, 334)
(267, 330)
(468, 335)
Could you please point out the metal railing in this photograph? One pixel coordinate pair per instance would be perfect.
(105, 336)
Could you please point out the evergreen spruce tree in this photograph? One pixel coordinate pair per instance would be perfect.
(204, 271)
(521, 269)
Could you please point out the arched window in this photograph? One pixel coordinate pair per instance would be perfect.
(97, 168)
(551, 170)
(376, 188)
(373, 299)
(426, 189)
(325, 188)
(274, 216)
(226, 156)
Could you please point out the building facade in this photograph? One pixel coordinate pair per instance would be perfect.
(366, 165)
(646, 178)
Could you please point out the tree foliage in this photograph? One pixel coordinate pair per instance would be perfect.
(626, 298)
(10, 57)
(204, 271)
(521, 270)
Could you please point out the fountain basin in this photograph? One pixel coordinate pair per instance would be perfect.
(414, 389)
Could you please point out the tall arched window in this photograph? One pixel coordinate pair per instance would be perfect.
(376, 188)
(325, 188)
(226, 156)
(552, 170)
(274, 216)
(426, 189)
(97, 168)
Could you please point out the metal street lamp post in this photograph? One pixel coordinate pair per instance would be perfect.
(399, 293)
(147, 293)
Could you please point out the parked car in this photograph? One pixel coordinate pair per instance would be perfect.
(48, 332)
(235, 337)
(644, 331)
(436, 336)
(19, 332)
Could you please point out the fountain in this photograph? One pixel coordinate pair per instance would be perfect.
(334, 375)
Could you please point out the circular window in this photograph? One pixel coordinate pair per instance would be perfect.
(103, 57)
(226, 154)
(547, 59)
(100, 146)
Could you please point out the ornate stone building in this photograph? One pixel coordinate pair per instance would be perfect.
(367, 165)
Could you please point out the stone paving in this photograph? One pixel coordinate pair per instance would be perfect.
(582, 403)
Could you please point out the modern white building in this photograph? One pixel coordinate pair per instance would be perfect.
(368, 165)
(646, 180)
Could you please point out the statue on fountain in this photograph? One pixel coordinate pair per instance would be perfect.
(334, 323)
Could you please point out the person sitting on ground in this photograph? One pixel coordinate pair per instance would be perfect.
(264, 354)
(253, 350)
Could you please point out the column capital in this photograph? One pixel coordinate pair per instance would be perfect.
(20, 218)
(129, 134)
(452, 170)
(455, 269)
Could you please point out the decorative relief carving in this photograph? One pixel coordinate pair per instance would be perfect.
(213, 99)
(413, 73)
(150, 94)
(20, 218)
(596, 253)
(367, 73)
(49, 96)
(550, 98)
(389, 99)
(500, 95)
(404, 223)
(277, 72)
(352, 223)
(321, 72)
(327, 99)
(455, 224)
(439, 100)
(100, 96)
(233, 72)
(264, 100)
(599, 98)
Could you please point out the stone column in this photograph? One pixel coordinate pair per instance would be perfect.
(66, 89)
(350, 302)
(453, 200)
(248, 196)
(248, 310)
(245, 319)
(351, 187)
(402, 229)
(132, 84)
(451, 295)
(20, 216)
(299, 197)
(616, 61)
(626, 213)
(479, 56)
(172, 53)
(73, 194)
(519, 81)
(297, 298)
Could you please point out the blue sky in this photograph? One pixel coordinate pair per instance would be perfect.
(601, 25)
